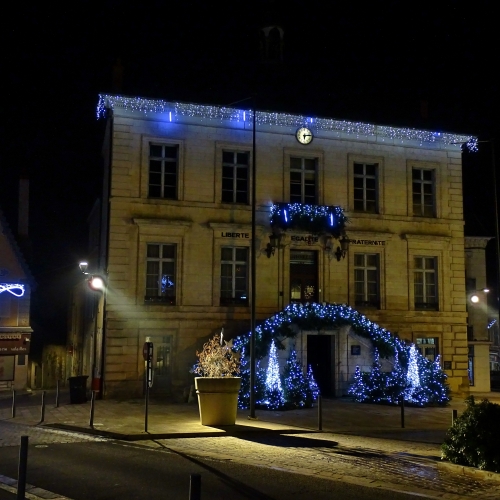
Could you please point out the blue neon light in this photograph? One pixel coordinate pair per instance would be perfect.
(11, 288)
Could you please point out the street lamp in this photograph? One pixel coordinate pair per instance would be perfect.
(474, 297)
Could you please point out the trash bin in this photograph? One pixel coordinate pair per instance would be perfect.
(78, 389)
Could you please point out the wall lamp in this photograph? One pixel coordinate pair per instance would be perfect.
(95, 282)
(474, 298)
(341, 251)
(274, 243)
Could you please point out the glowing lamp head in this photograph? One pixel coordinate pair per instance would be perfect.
(474, 299)
(96, 283)
(83, 266)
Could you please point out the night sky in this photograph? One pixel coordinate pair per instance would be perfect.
(428, 65)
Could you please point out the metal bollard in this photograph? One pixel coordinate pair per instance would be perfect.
(454, 415)
(320, 413)
(402, 403)
(92, 402)
(57, 393)
(22, 468)
(42, 408)
(195, 487)
(13, 403)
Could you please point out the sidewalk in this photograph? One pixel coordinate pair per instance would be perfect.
(126, 420)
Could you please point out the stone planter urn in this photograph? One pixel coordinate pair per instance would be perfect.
(217, 399)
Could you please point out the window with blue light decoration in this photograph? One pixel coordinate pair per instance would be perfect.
(303, 180)
(425, 283)
(235, 168)
(234, 276)
(160, 274)
(163, 171)
(365, 187)
(366, 280)
(423, 185)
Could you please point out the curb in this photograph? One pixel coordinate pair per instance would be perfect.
(469, 471)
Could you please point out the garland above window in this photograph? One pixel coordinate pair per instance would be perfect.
(315, 219)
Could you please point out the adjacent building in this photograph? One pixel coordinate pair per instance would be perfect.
(16, 284)
(176, 236)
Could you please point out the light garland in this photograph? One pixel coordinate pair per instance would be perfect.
(312, 218)
(14, 289)
(176, 111)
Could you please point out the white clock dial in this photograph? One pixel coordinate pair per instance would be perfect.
(304, 135)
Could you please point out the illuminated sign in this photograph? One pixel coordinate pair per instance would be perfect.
(15, 289)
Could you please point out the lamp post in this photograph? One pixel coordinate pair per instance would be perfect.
(97, 284)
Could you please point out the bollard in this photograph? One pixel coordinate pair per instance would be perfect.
(454, 415)
(402, 402)
(57, 393)
(13, 403)
(92, 401)
(195, 487)
(22, 467)
(320, 413)
(42, 408)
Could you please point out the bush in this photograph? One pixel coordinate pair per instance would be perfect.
(474, 440)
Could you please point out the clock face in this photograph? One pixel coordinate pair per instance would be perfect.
(304, 135)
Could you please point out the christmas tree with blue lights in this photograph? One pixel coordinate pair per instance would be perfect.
(274, 398)
(295, 384)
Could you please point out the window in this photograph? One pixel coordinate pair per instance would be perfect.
(425, 283)
(235, 177)
(366, 280)
(428, 347)
(234, 276)
(5, 305)
(365, 187)
(163, 171)
(303, 180)
(303, 276)
(423, 192)
(160, 274)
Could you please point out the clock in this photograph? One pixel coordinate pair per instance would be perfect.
(304, 135)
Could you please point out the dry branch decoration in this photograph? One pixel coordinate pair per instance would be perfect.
(217, 359)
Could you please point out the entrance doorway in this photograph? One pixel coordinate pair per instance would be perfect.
(161, 364)
(303, 276)
(321, 357)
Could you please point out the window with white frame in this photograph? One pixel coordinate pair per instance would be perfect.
(428, 347)
(235, 176)
(425, 283)
(163, 171)
(366, 280)
(303, 187)
(423, 189)
(160, 273)
(234, 276)
(365, 187)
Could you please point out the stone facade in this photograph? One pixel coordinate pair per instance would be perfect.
(380, 176)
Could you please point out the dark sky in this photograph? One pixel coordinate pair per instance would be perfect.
(345, 60)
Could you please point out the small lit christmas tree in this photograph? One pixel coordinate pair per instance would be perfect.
(295, 385)
(274, 392)
(413, 393)
(244, 394)
(312, 387)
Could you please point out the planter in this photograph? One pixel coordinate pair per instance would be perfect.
(217, 399)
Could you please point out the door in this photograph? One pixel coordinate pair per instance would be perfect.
(161, 364)
(303, 276)
(320, 356)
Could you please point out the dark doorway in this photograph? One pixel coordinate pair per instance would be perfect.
(303, 276)
(321, 356)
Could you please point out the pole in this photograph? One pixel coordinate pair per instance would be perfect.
(253, 271)
(147, 407)
(320, 413)
(402, 403)
(42, 408)
(57, 394)
(195, 487)
(497, 232)
(22, 468)
(454, 414)
(13, 403)
(92, 402)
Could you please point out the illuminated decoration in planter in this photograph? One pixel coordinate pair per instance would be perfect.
(178, 112)
(379, 387)
(274, 392)
(314, 219)
(14, 289)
